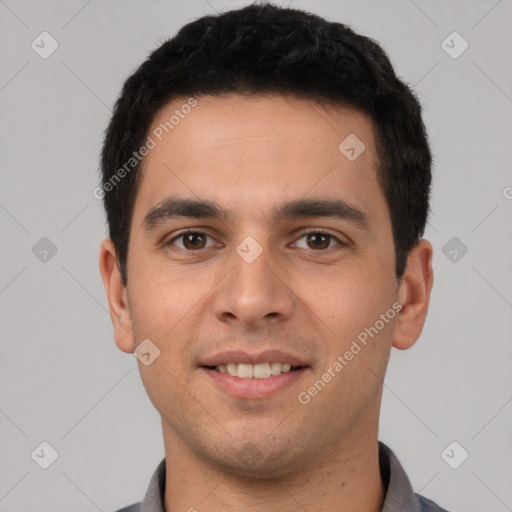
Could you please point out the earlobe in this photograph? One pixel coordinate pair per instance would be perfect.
(414, 295)
(116, 296)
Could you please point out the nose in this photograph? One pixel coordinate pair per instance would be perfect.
(254, 293)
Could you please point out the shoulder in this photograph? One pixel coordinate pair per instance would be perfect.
(131, 508)
(428, 505)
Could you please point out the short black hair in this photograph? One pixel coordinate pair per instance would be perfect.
(266, 49)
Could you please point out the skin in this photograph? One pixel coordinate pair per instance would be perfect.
(249, 154)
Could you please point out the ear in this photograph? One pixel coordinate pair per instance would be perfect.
(117, 297)
(414, 295)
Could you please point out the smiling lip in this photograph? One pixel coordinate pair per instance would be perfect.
(247, 358)
(253, 388)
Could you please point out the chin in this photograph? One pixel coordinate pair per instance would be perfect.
(258, 461)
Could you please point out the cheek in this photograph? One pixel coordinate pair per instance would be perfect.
(161, 310)
(160, 298)
(165, 308)
(346, 301)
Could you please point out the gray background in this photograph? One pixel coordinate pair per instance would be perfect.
(62, 378)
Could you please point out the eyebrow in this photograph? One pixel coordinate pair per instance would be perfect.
(174, 207)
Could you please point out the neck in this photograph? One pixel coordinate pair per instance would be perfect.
(346, 480)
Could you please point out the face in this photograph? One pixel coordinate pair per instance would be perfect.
(289, 262)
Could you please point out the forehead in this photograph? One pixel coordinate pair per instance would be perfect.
(247, 152)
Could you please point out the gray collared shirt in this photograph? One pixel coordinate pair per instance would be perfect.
(399, 494)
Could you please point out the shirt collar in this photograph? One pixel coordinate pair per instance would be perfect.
(399, 493)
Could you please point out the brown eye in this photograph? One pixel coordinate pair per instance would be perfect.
(319, 241)
(191, 240)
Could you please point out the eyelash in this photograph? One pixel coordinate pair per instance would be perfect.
(302, 234)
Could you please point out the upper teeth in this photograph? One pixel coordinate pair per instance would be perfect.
(258, 371)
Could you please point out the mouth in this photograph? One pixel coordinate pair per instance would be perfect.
(244, 381)
(255, 371)
(254, 375)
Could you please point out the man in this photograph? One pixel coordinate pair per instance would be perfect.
(266, 179)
